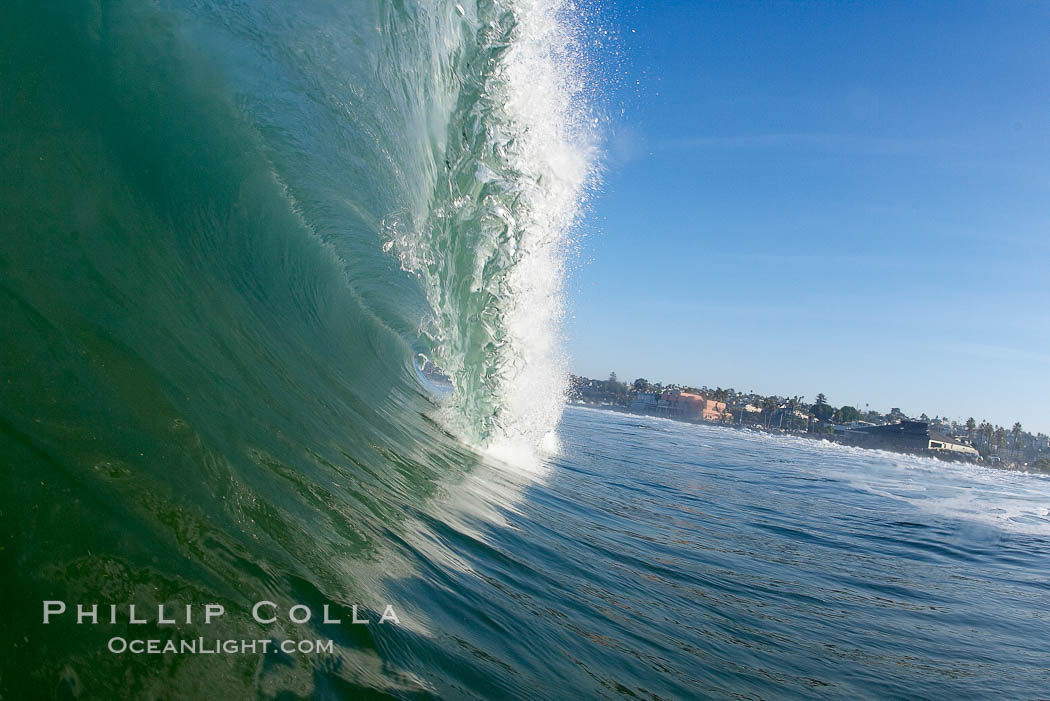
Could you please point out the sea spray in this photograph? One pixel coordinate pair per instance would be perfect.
(491, 254)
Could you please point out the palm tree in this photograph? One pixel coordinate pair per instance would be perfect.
(999, 438)
(971, 427)
(769, 405)
(1018, 435)
(792, 407)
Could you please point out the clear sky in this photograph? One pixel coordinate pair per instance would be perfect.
(848, 198)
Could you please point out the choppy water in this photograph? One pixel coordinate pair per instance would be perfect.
(710, 562)
(231, 234)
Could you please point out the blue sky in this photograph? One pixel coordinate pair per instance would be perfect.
(848, 198)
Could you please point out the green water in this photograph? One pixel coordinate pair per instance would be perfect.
(211, 332)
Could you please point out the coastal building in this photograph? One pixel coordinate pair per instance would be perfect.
(915, 437)
(852, 425)
(644, 402)
(945, 446)
(692, 407)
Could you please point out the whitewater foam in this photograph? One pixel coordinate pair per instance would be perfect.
(491, 255)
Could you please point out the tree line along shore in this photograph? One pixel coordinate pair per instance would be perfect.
(981, 441)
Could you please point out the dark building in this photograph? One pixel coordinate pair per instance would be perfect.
(913, 437)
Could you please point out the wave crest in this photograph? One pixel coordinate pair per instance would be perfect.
(491, 254)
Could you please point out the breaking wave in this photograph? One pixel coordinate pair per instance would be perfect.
(271, 275)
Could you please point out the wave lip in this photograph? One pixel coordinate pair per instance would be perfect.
(520, 156)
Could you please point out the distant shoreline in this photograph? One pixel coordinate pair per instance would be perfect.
(812, 435)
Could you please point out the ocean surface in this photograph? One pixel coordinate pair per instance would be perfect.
(281, 300)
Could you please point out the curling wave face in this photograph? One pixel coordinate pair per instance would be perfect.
(230, 233)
